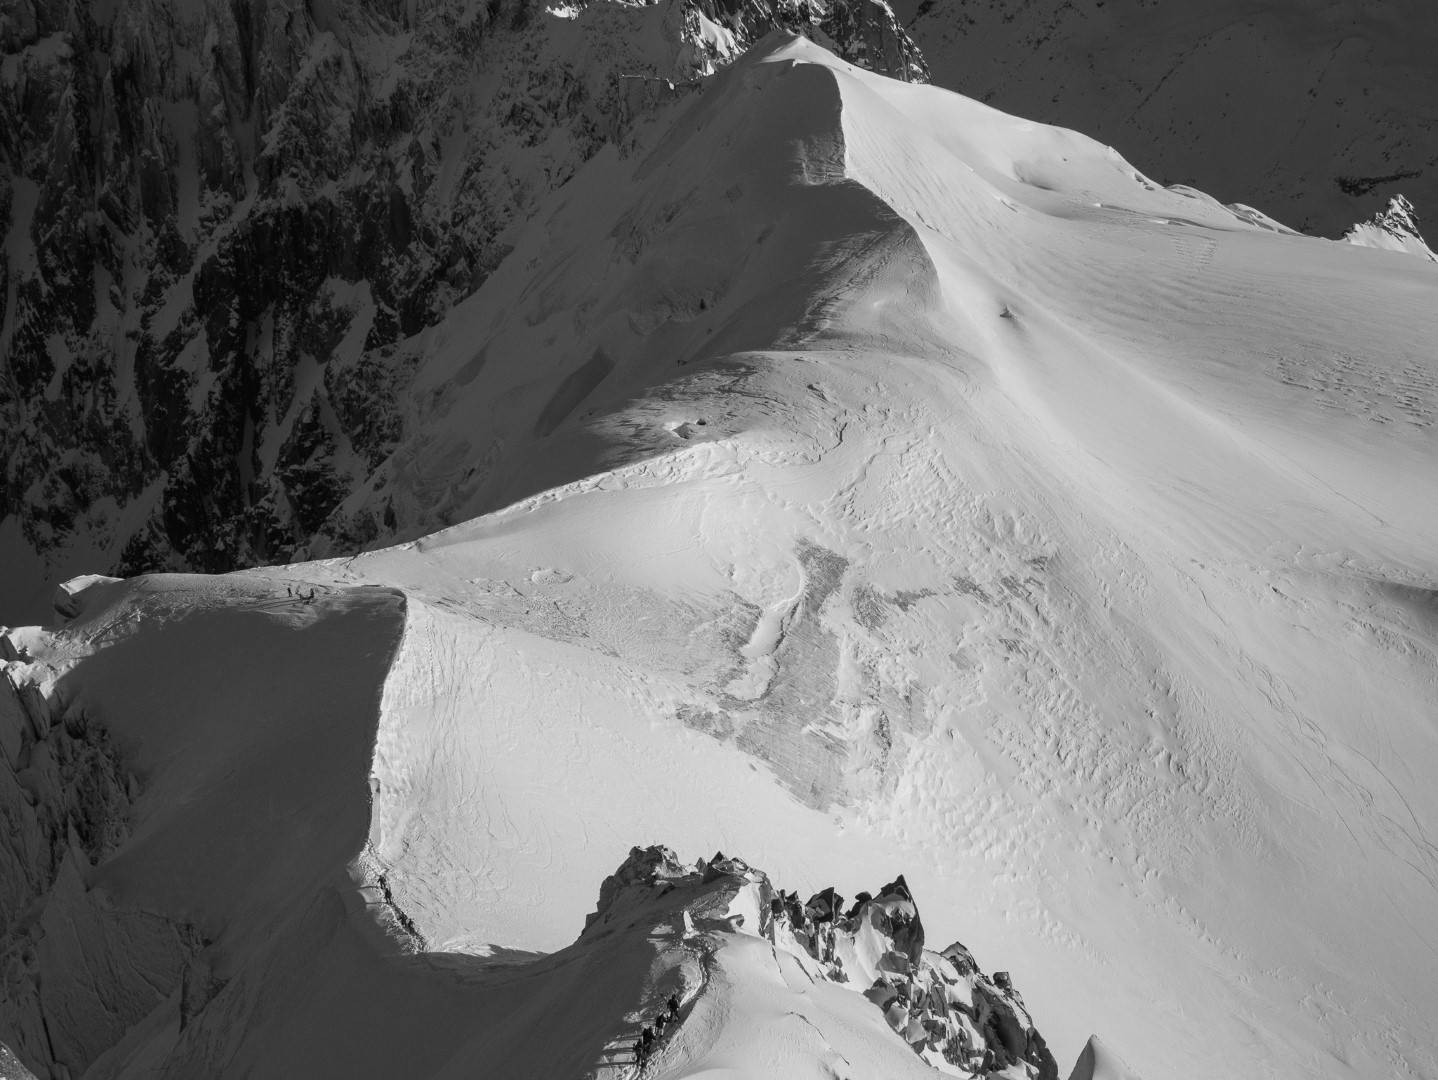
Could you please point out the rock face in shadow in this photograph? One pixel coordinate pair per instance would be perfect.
(78, 969)
(226, 223)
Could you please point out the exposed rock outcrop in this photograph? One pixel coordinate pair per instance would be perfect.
(952, 1015)
(1394, 229)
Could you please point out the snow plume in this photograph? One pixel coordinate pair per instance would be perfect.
(1395, 229)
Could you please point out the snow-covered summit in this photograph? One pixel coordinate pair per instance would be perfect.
(1394, 229)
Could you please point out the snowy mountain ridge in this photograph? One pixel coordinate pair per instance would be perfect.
(857, 477)
(226, 223)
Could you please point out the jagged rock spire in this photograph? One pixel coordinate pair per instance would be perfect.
(1394, 229)
(942, 1005)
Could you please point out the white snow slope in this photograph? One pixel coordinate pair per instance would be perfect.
(879, 483)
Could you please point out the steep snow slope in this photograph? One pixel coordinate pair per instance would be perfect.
(1315, 110)
(882, 483)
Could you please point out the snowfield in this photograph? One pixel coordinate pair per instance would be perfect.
(863, 481)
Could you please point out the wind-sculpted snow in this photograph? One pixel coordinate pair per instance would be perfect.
(874, 483)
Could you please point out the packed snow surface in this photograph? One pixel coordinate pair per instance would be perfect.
(869, 482)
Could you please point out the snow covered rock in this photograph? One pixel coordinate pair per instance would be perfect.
(949, 1014)
(1395, 229)
(644, 869)
(864, 32)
